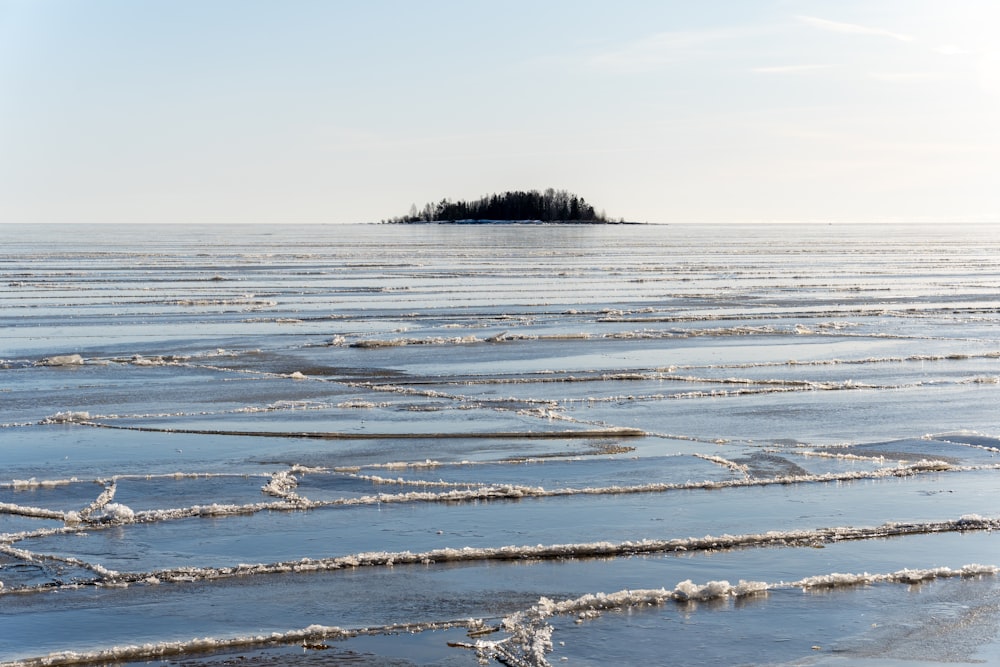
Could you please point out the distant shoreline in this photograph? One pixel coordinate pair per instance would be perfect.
(511, 207)
(512, 222)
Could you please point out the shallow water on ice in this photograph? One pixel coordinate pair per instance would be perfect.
(951, 621)
(227, 443)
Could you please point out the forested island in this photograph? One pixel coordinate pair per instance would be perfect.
(552, 205)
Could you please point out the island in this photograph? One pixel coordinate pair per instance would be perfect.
(531, 206)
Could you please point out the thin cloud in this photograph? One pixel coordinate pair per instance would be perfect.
(903, 77)
(789, 69)
(660, 49)
(853, 28)
(952, 50)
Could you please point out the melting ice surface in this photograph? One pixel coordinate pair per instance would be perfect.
(524, 445)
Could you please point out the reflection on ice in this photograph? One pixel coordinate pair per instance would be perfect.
(872, 625)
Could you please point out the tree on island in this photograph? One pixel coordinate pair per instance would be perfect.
(549, 206)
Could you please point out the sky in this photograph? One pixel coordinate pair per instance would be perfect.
(339, 111)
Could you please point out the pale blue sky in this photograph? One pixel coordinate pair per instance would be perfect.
(656, 110)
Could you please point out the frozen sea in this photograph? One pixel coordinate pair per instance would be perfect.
(499, 444)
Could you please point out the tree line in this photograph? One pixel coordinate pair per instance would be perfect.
(548, 206)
